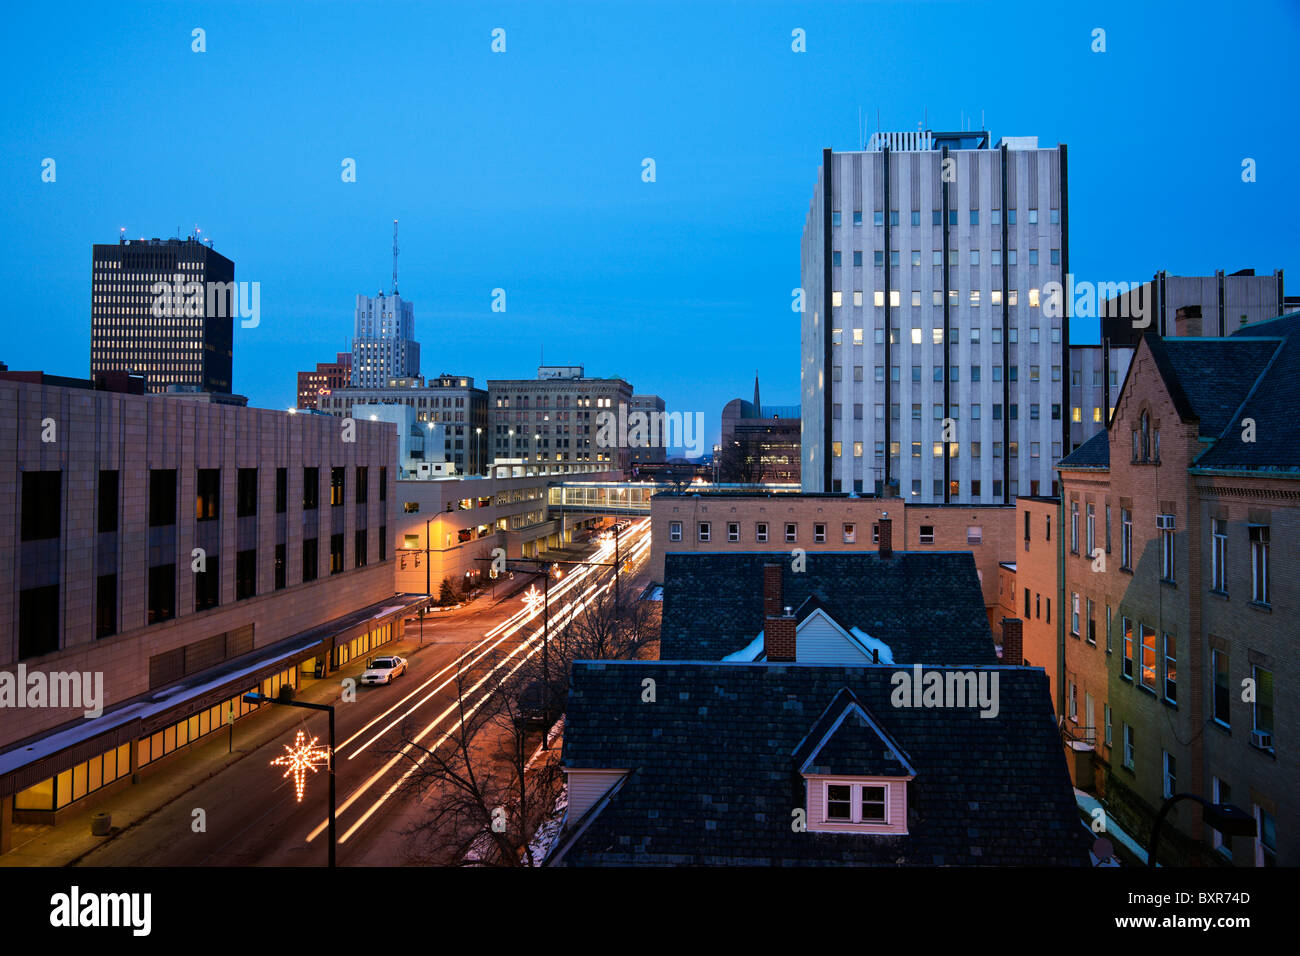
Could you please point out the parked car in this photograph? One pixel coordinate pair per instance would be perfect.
(382, 670)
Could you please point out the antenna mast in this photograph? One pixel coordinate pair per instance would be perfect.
(394, 257)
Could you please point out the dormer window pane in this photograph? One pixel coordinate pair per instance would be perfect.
(839, 802)
(873, 804)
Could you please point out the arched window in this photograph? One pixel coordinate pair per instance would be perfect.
(1146, 437)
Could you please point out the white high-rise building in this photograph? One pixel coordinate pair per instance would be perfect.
(383, 344)
(959, 238)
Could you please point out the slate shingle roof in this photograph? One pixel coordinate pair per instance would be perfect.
(926, 605)
(713, 779)
(1094, 453)
(1208, 379)
(1271, 403)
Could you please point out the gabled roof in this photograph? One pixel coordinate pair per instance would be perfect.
(925, 605)
(717, 763)
(845, 741)
(1092, 454)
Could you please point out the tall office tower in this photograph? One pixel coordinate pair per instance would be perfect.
(384, 346)
(163, 308)
(959, 238)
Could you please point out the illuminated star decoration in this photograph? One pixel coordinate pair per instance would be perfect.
(300, 758)
(533, 599)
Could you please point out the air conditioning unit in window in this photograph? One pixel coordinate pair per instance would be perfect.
(1261, 739)
(1165, 522)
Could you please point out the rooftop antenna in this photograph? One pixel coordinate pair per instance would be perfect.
(394, 257)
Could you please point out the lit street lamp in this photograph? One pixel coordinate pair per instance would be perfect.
(253, 697)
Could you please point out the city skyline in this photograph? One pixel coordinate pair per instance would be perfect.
(570, 230)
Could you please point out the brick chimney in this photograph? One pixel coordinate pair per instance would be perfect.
(773, 598)
(778, 636)
(1187, 321)
(886, 534)
(1013, 641)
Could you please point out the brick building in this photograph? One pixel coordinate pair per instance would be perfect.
(327, 377)
(1186, 621)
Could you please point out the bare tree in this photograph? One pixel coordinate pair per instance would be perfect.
(739, 461)
(485, 797)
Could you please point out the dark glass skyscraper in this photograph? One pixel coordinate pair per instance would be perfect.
(163, 308)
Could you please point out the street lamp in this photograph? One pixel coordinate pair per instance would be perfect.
(1227, 819)
(253, 697)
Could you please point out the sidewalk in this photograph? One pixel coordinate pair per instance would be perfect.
(70, 840)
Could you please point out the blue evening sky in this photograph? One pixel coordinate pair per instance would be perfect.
(522, 170)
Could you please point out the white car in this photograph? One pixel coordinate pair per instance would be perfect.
(382, 670)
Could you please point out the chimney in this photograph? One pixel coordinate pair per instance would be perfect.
(778, 637)
(773, 599)
(1187, 321)
(886, 534)
(1013, 641)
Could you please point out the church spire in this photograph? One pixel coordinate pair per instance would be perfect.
(758, 408)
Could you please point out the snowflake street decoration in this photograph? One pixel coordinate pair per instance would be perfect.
(300, 758)
(533, 599)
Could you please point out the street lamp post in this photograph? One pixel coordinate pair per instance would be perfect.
(1227, 819)
(253, 697)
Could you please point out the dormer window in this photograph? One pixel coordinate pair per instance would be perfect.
(857, 803)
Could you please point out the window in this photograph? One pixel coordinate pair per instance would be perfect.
(1266, 838)
(1126, 539)
(1220, 711)
(281, 490)
(1074, 527)
(162, 497)
(207, 584)
(310, 559)
(1171, 669)
(1219, 554)
(1109, 645)
(850, 533)
(1259, 564)
(162, 592)
(1170, 775)
(1108, 529)
(974, 534)
(1221, 793)
(760, 532)
(927, 534)
(1263, 706)
(1026, 602)
(105, 605)
(1092, 529)
(1092, 622)
(857, 258)
(363, 485)
(246, 492)
(674, 531)
(281, 560)
(311, 489)
(702, 531)
(1074, 613)
(1147, 635)
(819, 534)
(245, 574)
(207, 501)
(41, 507)
(361, 548)
(1074, 702)
(336, 553)
(733, 531)
(1127, 627)
(336, 486)
(791, 533)
(1167, 548)
(1105, 716)
(857, 803)
(107, 519)
(1128, 747)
